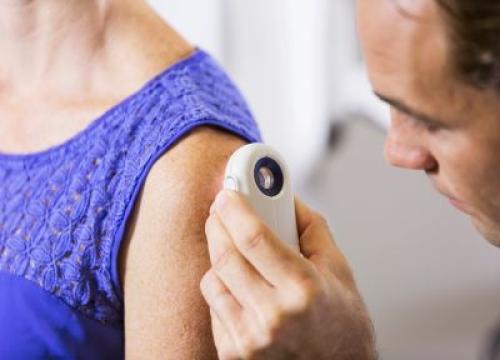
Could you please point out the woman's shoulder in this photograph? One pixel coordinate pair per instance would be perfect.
(193, 92)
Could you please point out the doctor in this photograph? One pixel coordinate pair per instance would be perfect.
(437, 64)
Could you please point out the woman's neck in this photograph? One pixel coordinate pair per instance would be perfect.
(38, 37)
(67, 49)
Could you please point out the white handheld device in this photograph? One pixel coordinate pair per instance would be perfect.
(260, 174)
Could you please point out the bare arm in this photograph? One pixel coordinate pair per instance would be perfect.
(165, 254)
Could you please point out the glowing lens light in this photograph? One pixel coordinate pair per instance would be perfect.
(266, 178)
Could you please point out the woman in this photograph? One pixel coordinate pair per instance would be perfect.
(114, 136)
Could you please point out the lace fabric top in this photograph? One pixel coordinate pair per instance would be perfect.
(63, 212)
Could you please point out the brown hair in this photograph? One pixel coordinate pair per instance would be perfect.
(475, 33)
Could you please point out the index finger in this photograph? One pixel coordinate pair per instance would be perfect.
(275, 260)
(317, 243)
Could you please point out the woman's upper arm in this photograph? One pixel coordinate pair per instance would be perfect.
(165, 253)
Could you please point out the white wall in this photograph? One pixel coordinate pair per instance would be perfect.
(198, 20)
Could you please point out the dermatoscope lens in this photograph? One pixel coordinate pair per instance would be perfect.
(268, 176)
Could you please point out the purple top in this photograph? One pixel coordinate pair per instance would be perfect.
(63, 212)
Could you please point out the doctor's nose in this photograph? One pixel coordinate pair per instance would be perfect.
(402, 149)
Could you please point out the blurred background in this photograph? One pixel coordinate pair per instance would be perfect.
(430, 282)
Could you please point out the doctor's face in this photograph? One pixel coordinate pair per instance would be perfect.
(439, 124)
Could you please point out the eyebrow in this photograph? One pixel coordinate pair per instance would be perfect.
(429, 121)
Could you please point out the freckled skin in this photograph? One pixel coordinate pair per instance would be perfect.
(407, 49)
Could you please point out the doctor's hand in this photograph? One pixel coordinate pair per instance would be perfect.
(269, 302)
